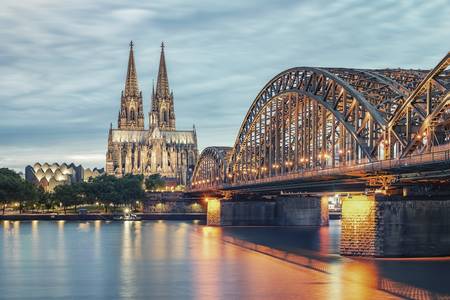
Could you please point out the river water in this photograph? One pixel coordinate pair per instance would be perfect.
(186, 260)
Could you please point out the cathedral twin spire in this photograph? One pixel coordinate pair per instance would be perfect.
(161, 114)
(131, 83)
(131, 114)
(162, 85)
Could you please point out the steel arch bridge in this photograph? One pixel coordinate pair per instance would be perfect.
(311, 119)
(211, 168)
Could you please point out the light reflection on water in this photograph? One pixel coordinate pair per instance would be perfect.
(186, 260)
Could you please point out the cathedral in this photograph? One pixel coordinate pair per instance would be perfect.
(133, 149)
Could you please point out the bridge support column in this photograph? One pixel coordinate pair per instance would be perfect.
(395, 226)
(240, 213)
(286, 210)
(302, 210)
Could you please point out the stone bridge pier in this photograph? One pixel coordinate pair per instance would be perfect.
(395, 226)
(284, 210)
(371, 225)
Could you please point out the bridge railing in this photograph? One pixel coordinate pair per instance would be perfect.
(361, 167)
(439, 154)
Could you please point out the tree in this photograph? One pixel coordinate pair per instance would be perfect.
(46, 200)
(9, 187)
(28, 194)
(131, 189)
(154, 182)
(104, 189)
(14, 188)
(66, 195)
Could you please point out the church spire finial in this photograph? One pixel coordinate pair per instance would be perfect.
(162, 85)
(131, 83)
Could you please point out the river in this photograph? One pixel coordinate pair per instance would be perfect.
(186, 260)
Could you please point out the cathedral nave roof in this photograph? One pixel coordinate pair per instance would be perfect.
(129, 136)
(179, 136)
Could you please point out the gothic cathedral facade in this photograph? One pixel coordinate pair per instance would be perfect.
(133, 149)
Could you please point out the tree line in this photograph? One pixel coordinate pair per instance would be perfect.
(107, 191)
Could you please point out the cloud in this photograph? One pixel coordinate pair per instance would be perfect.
(63, 63)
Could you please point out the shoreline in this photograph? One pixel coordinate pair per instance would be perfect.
(105, 217)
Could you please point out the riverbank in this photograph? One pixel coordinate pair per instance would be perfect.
(105, 217)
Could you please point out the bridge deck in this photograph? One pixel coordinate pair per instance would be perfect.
(430, 166)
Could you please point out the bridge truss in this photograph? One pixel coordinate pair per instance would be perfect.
(308, 119)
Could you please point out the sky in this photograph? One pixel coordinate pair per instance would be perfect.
(63, 63)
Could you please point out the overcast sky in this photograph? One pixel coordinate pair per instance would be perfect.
(63, 63)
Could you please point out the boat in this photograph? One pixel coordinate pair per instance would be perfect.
(126, 216)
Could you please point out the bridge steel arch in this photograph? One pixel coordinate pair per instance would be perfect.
(422, 121)
(307, 118)
(211, 167)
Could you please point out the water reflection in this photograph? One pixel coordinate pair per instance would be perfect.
(317, 248)
(206, 274)
(126, 268)
(184, 260)
(35, 239)
(84, 226)
(97, 239)
(158, 245)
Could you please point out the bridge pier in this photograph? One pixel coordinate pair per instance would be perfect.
(302, 210)
(284, 210)
(240, 213)
(395, 226)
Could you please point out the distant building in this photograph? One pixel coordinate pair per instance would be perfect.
(133, 149)
(51, 175)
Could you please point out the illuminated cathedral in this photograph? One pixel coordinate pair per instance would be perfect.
(160, 148)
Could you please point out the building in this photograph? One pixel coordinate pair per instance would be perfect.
(48, 176)
(133, 149)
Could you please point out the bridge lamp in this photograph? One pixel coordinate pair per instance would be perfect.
(207, 180)
(126, 210)
(217, 178)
